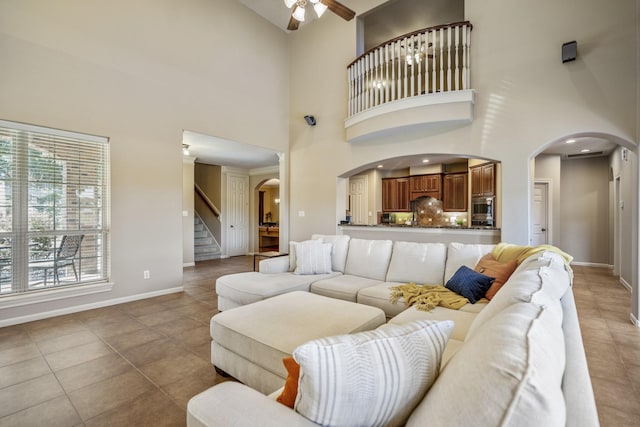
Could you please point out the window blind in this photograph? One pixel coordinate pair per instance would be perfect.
(54, 192)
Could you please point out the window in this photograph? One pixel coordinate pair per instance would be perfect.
(53, 209)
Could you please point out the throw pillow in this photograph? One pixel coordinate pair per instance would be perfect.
(288, 395)
(313, 257)
(501, 271)
(470, 284)
(373, 378)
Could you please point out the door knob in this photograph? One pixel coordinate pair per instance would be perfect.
(544, 229)
(232, 226)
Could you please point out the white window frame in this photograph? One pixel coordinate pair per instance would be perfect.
(23, 295)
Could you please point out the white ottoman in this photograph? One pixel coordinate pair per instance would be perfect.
(249, 342)
(235, 290)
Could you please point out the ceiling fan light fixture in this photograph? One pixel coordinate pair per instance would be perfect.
(320, 8)
(298, 13)
(289, 3)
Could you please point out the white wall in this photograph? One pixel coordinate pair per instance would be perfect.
(626, 170)
(139, 73)
(188, 205)
(526, 99)
(584, 209)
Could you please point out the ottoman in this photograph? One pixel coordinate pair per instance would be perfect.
(249, 342)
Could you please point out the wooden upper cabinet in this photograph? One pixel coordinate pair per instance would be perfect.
(455, 192)
(426, 185)
(483, 180)
(395, 195)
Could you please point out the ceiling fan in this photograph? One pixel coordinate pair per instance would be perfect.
(320, 6)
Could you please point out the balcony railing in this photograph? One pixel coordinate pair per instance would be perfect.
(430, 60)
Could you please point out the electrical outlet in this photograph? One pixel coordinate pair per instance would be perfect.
(300, 213)
(146, 274)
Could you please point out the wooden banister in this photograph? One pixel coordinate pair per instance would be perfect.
(207, 201)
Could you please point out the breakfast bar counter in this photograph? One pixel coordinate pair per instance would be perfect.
(436, 234)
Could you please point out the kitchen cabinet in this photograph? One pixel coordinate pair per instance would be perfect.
(483, 180)
(426, 185)
(455, 192)
(395, 195)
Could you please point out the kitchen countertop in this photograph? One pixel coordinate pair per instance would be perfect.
(449, 227)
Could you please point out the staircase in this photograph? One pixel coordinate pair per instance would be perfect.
(205, 245)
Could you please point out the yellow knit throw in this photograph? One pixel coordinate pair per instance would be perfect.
(427, 297)
(505, 252)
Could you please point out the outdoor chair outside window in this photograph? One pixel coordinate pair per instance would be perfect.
(64, 257)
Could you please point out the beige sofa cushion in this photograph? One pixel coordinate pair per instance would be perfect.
(421, 263)
(345, 287)
(509, 373)
(340, 246)
(459, 254)
(369, 258)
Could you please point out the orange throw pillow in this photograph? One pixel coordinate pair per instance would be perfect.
(288, 395)
(501, 271)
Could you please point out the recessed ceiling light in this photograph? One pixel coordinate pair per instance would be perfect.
(425, 160)
(570, 141)
(379, 166)
(586, 150)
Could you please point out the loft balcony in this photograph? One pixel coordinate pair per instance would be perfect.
(419, 78)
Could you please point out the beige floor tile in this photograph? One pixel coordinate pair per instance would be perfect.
(23, 371)
(154, 319)
(67, 341)
(77, 355)
(116, 327)
(178, 326)
(99, 313)
(185, 388)
(142, 307)
(612, 417)
(614, 395)
(15, 337)
(49, 329)
(91, 372)
(20, 396)
(152, 408)
(152, 351)
(57, 412)
(122, 342)
(108, 394)
(171, 369)
(195, 337)
(18, 354)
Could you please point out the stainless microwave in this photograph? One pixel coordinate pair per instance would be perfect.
(483, 211)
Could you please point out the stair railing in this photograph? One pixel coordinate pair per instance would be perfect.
(207, 201)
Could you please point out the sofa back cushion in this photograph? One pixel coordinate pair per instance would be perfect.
(459, 254)
(340, 246)
(422, 263)
(509, 374)
(542, 279)
(368, 258)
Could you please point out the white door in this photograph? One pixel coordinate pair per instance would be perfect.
(358, 196)
(237, 218)
(539, 229)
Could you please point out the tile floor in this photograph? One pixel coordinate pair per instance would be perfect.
(139, 363)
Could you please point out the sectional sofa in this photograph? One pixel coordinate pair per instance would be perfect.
(516, 360)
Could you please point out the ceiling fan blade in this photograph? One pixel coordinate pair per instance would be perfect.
(293, 24)
(339, 9)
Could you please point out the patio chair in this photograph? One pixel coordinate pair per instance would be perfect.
(64, 257)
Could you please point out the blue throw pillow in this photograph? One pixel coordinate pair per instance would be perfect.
(470, 284)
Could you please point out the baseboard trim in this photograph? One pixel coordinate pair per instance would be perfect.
(84, 307)
(592, 264)
(188, 264)
(625, 284)
(634, 320)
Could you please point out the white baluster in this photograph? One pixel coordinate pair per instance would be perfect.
(392, 82)
(465, 83)
(359, 87)
(375, 77)
(386, 73)
(441, 59)
(426, 62)
(400, 63)
(406, 71)
(469, 56)
(457, 55)
(419, 65)
(434, 74)
(449, 59)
